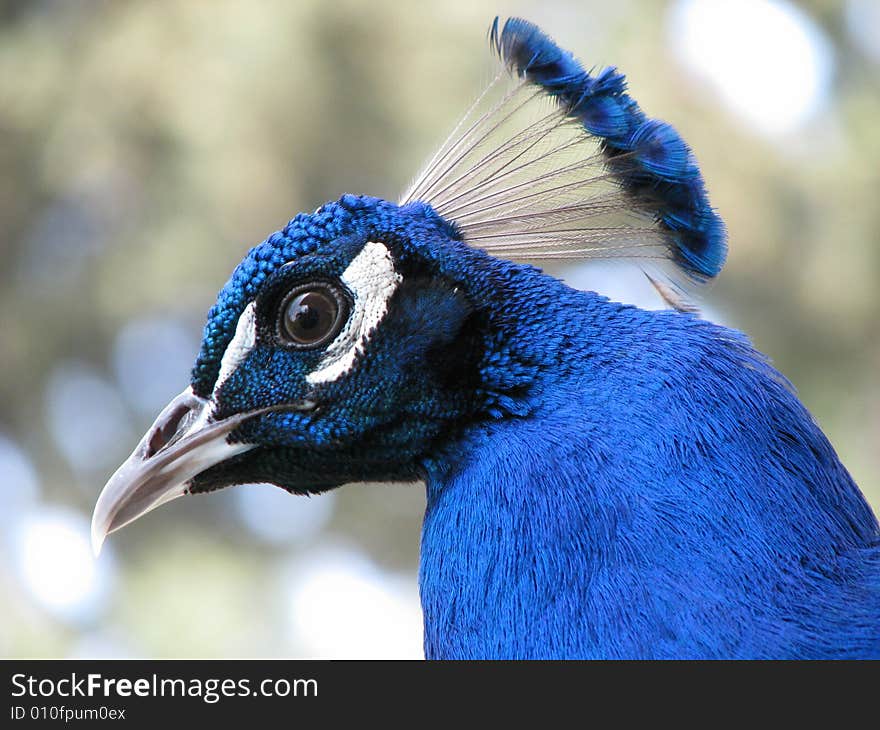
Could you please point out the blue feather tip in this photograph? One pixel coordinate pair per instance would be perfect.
(648, 157)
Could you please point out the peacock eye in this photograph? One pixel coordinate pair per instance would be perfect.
(312, 314)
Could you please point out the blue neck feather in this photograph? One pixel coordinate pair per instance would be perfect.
(695, 509)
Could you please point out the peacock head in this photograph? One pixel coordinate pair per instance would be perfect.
(341, 349)
(357, 342)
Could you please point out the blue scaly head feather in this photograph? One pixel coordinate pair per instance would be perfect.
(602, 481)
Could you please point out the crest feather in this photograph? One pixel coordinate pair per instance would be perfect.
(552, 162)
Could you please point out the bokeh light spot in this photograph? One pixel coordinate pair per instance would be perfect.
(275, 516)
(86, 417)
(769, 61)
(341, 606)
(56, 566)
(152, 358)
(19, 479)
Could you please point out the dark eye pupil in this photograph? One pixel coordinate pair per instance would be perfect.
(310, 316)
(306, 317)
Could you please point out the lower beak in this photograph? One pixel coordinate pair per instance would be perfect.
(181, 443)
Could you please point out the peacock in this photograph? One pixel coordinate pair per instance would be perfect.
(602, 481)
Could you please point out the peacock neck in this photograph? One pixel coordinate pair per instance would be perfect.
(627, 466)
(510, 547)
(525, 510)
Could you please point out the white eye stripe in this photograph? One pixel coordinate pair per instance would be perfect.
(242, 343)
(372, 280)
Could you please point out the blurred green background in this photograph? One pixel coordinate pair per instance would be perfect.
(145, 145)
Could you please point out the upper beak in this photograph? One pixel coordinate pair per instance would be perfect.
(181, 443)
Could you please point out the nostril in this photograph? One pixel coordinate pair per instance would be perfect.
(164, 431)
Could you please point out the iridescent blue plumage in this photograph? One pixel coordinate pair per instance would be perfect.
(602, 481)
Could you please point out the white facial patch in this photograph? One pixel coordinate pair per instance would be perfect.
(372, 280)
(242, 343)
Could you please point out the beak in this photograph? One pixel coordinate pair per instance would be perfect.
(181, 443)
